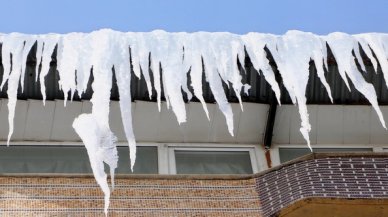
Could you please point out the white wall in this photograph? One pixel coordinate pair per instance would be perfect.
(53, 122)
(331, 124)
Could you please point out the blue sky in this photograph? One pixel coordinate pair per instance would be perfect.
(238, 16)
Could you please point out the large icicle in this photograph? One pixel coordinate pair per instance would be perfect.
(99, 142)
(342, 46)
(94, 128)
(123, 75)
(255, 44)
(292, 56)
(15, 45)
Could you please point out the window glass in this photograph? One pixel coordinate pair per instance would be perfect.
(146, 160)
(212, 162)
(287, 154)
(69, 159)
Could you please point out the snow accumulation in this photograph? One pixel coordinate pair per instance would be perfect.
(179, 55)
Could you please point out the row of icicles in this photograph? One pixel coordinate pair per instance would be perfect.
(215, 54)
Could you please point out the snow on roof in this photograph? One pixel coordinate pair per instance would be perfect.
(178, 54)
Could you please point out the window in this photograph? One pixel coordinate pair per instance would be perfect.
(39, 159)
(146, 160)
(212, 160)
(69, 159)
(287, 154)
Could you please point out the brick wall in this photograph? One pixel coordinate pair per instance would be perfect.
(328, 177)
(21, 196)
(264, 194)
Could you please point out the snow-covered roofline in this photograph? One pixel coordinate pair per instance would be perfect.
(179, 54)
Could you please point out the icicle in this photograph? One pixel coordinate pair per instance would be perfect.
(186, 72)
(39, 52)
(365, 47)
(8, 47)
(99, 143)
(140, 58)
(98, 140)
(203, 42)
(13, 44)
(167, 51)
(293, 54)
(320, 59)
(255, 43)
(193, 62)
(49, 41)
(379, 44)
(342, 45)
(28, 43)
(226, 48)
(123, 75)
(72, 56)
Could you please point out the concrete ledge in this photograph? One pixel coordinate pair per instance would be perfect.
(323, 207)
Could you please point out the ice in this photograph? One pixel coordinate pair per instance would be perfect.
(120, 57)
(179, 53)
(73, 55)
(140, 50)
(166, 60)
(378, 43)
(320, 60)
(166, 51)
(192, 61)
(39, 52)
(101, 149)
(15, 45)
(292, 54)
(342, 46)
(294, 51)
(28, 43)
(219, 52)
(255, 43)
(101, 50)
(48, 43)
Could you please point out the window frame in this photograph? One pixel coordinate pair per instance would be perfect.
(76, 144)
(275, 154)
(172, 160)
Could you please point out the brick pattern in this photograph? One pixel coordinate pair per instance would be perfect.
(262, 195)
(131, 197)
(331, 177)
